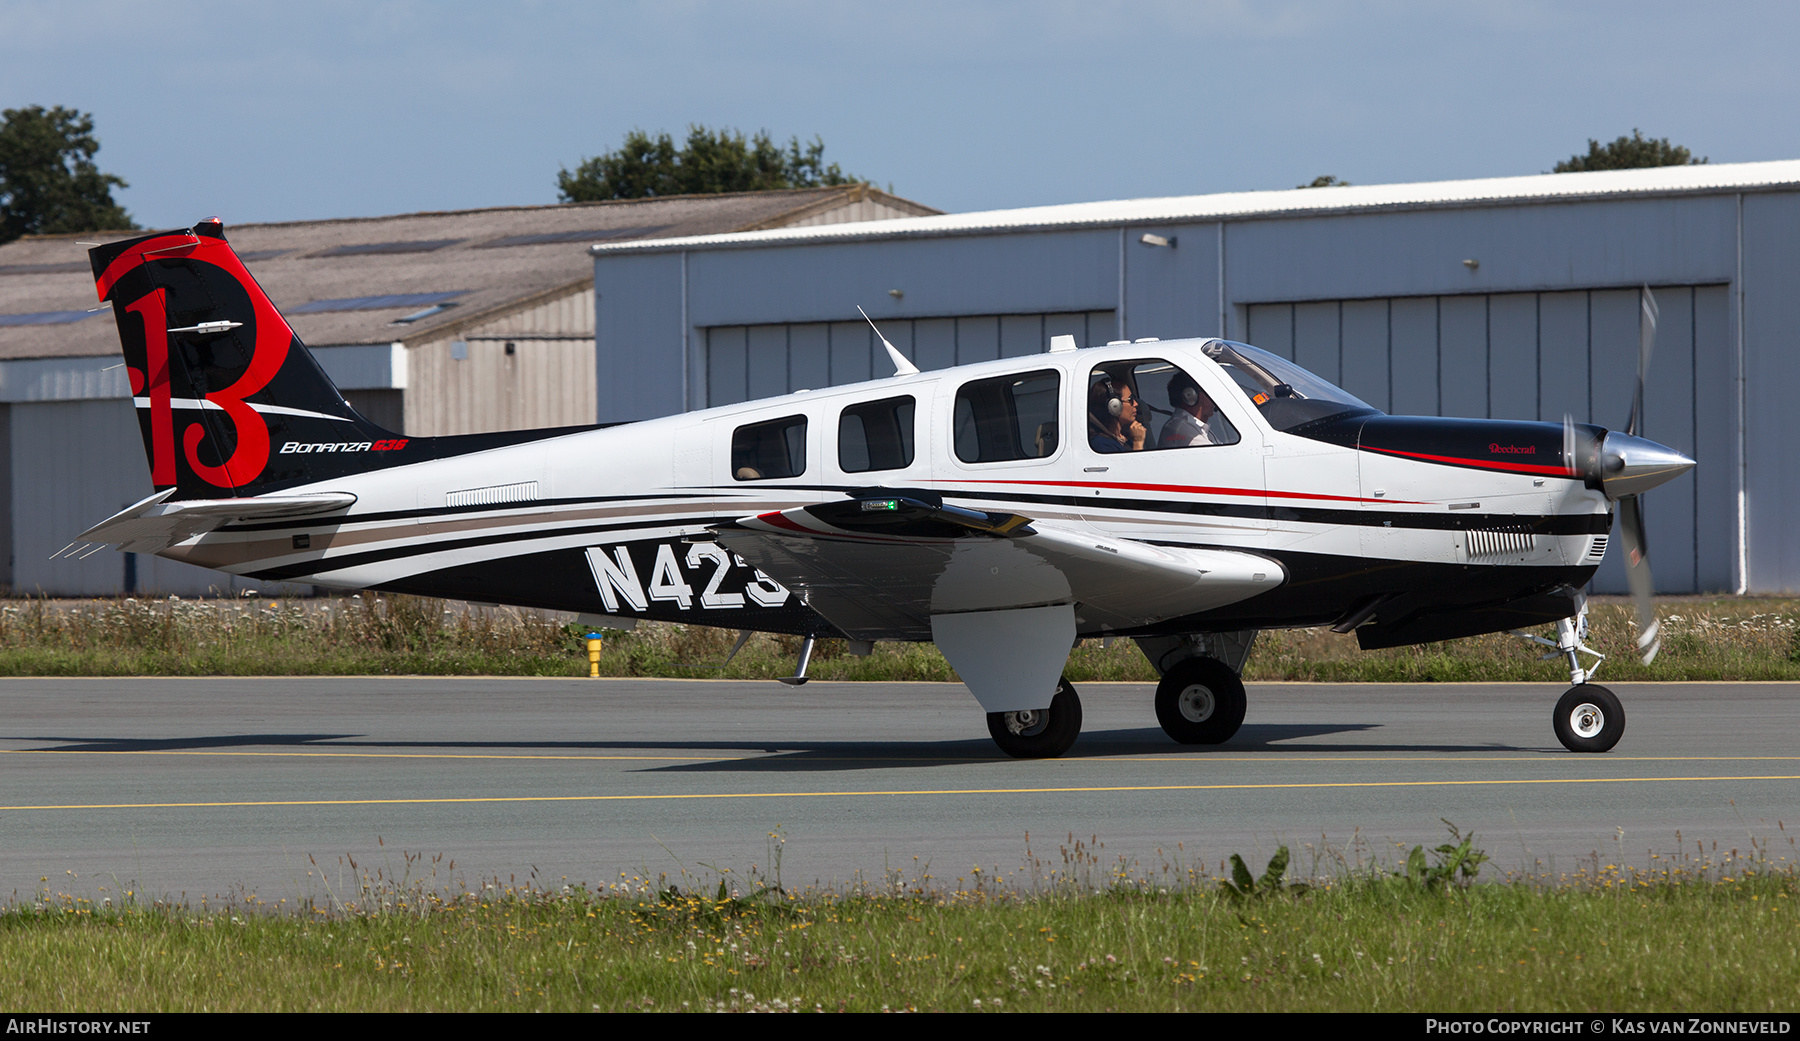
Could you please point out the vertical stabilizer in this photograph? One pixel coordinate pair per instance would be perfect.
(229, 400)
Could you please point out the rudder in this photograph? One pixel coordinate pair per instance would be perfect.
(228, 399)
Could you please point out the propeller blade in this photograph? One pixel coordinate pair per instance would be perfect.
(1647, 314)
(1637, 575)
(1570, 463)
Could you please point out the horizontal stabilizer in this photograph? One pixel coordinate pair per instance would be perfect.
(155, 523)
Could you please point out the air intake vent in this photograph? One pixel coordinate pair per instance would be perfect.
(1498, 544)
(1598, 549)
(525, 491)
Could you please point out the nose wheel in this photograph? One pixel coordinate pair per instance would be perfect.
(1589, 718)
(1043, 733)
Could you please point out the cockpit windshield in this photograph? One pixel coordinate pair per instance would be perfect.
(1287, 395)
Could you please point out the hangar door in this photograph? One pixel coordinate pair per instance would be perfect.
(1541, 356)
(744, 362)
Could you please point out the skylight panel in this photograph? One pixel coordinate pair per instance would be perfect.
(376, 303)
(46, 317)
(43, 269)
(417, 316)
(589, 235)
(367, 248)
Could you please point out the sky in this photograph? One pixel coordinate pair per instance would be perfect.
(268, 112)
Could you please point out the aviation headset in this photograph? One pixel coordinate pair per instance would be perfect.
(1114, 403)
(1183, 391)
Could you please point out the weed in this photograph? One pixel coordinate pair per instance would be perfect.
(1458, 862)
(1242, 886)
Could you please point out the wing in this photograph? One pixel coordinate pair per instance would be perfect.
(154, 523)
(880, 568)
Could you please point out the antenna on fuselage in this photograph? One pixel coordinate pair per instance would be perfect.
(902, 367)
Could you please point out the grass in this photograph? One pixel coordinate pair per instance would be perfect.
(1714, 932)
(1703, 639)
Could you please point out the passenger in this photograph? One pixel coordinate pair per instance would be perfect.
(1112, 418)
(1192, 423)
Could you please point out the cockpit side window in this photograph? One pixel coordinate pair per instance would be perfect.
(1148, 404)
(876, 435)
(1007, 417)
(776, 448)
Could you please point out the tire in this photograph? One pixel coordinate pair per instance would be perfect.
(1200, 702)
(1041, 734)
(1589, 718)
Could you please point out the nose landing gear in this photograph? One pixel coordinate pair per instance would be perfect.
(1588, 717)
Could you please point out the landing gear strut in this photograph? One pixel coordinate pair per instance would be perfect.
(1043, 733)
(1588, 717)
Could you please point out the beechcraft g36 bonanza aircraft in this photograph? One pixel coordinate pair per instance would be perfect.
(1185, 494)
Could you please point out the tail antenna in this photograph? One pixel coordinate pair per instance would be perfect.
(902, 367)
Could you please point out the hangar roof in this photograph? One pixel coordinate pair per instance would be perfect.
(1703, 179)
(351, 281)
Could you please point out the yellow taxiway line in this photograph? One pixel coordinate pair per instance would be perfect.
(1273, 756)
(700, 796)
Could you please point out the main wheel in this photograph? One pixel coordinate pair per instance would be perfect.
(1043, 733)
(1200, 702)
(1589, 718)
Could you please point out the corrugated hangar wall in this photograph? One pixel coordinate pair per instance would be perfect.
(83, 493)
(745, 362)
(1542, 324)
(1544, 356)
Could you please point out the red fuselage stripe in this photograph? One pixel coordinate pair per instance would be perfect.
(1485, 464)
(776, 520)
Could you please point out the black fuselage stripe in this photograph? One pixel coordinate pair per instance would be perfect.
(377, 556)
(450, 511)
(1578, 524)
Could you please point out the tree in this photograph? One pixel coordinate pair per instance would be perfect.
(48, 181)
(711, 161)
(1629, 153)
(1325, 181)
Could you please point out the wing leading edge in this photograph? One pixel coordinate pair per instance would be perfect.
(881, 567)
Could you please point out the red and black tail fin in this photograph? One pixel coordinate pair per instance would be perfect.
(229, 400)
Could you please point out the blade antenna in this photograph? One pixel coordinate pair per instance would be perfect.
(902, 367)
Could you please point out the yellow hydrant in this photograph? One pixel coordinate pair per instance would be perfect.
(594, 640)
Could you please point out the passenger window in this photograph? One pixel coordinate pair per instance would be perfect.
(776, 448)
(876, 435)
(1136, 406)
(1008, 417)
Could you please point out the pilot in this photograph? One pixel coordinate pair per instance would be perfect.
(1192, 423)
(1112, 418)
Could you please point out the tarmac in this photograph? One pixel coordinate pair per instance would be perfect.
(184, 788)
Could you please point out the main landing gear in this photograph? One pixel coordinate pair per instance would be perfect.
(1200, 701)
(1043, 733)
(1588, 717)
